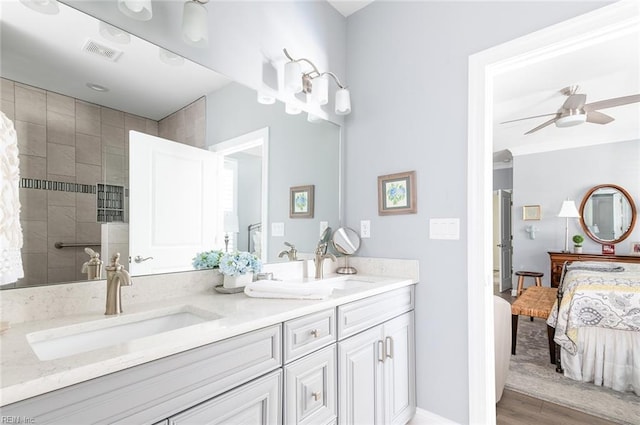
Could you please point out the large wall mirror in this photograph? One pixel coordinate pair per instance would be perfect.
(607, 213)
(75, 87)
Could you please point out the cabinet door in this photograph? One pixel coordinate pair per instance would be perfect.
(310, 390)
(255, 403)
(399, 370)
(360, 360)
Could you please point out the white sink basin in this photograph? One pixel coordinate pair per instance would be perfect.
(69, 340)
(341, 283)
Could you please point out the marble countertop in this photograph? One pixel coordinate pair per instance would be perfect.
(24, 375)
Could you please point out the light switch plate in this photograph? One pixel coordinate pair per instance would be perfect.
(444, 228)
(277, 229)
(365, 229)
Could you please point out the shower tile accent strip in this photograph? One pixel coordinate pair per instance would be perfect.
(43, 184)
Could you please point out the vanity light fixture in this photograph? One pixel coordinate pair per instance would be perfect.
(266, 99)
(291, 109)
(48, 7)
(315, 84)
(139, 10)
(195, 28)
(567, 211)
(170, 58)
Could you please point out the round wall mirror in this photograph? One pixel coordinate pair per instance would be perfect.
(607, 213)
(346, 241)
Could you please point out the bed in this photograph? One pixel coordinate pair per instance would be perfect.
(597, 324)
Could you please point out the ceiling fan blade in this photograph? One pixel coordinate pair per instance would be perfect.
(528, 118)
(575, 101)
(543, 125)
(610, 103)
(598, 117)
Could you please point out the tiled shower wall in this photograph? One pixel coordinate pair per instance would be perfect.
(63, 139)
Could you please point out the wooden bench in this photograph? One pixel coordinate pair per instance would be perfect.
(535, 301)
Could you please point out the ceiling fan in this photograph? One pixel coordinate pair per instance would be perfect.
(575, 110)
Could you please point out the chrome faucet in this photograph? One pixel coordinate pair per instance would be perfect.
(321, 255)
(292, 253)
(117, 276)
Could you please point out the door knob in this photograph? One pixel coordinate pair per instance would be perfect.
(139, 259)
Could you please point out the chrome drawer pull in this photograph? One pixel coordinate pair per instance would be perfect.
(316, 396)
(381, 351)
(388, 343)
(315, 332)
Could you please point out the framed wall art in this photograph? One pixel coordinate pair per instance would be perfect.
(397, 193)
(531, 212)
(301, 202)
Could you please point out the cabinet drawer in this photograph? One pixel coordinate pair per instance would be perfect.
(363, 314)
(156, 390)
(311, 389)
(257, 402)
(308, 333)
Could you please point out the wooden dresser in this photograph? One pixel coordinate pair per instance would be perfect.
(558, 259)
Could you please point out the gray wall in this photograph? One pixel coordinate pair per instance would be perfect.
(569, 174)
(408, 71)
(503, 178)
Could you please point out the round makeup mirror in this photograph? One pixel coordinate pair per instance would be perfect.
(346, 241)
(607, 213)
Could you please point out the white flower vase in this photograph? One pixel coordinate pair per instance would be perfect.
(239, 281)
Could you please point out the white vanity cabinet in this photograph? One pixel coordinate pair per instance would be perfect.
(376, 367)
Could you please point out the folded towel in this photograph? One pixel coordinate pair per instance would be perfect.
(595, 266)
(277, 289)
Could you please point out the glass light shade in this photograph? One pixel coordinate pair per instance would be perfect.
(343, 102)
(293, 77)
(291, 109)
(569, 210)
(266, 99)
(111, 33)
(313, 118)
(136, 9)
(320, 90)
(195, 30)
(48, 7)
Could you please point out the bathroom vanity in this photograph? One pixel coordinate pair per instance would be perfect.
(248, 361)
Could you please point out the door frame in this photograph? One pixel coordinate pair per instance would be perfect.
(590, 28)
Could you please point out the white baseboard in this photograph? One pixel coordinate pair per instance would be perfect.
(425, 417)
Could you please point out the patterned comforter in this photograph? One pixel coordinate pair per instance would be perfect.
(604, 299)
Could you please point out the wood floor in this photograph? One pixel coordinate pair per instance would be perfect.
(518, 409)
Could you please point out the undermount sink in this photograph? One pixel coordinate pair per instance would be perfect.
(342, 283)
(65, 341)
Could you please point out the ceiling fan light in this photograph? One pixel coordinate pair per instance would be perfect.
(571, 120)
(195, 30)
(136, 9)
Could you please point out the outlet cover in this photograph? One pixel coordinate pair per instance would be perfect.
(365, 229)
(277, 229)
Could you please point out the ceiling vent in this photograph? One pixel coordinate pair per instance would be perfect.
(105, 52)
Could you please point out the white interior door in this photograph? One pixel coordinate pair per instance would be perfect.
(173, 204)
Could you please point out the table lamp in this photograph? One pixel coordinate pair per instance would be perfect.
(230, 226)
(567, 211)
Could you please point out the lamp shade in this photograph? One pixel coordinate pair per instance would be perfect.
(320, 90)
(136, 9)
(48, 7)
(568, 210)
(343, 102)
(231, 222)
(293, 77)
(195, 29)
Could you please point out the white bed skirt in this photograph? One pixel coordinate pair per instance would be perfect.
(606, 357)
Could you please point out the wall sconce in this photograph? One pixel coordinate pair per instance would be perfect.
(48, 7)
(136, 9)
(195, 28)
(531, 230)
(315, 84)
